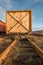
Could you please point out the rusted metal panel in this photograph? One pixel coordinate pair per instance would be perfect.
(2, 27)
(18, 21)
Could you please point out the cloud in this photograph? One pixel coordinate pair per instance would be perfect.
(2, 14)
(0, 10)
(8, 4)
(4, 5)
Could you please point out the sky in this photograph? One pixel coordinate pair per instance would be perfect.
(35, 5)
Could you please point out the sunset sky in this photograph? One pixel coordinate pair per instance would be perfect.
(35, 5)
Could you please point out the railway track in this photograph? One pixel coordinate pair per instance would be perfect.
(22, 53)
(5, 41)
(37, 43)
(4, 54)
